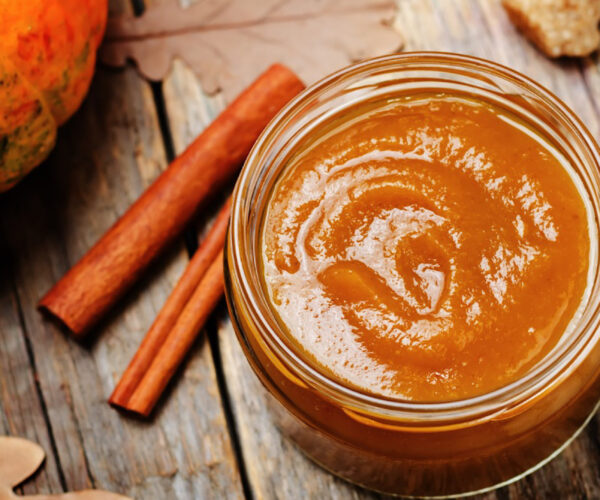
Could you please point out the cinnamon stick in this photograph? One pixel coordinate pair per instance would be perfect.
(167, 317)
(180, 339)
(116, 261)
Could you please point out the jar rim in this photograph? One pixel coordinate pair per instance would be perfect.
(548, 371)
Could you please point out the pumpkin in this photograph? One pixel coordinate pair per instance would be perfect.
(47, 59)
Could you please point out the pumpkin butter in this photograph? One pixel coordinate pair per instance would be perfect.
(430, 248)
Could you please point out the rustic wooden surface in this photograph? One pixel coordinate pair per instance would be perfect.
(211, 436)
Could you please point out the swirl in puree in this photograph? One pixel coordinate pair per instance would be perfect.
(427, 249)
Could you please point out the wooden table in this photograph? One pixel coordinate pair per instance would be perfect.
(211, 436)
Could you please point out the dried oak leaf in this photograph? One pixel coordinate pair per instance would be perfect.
(229, 42)
(20, 458)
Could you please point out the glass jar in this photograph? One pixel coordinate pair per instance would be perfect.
(391, 445)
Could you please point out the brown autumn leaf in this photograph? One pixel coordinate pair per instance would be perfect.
(19, 459)
(229, 42)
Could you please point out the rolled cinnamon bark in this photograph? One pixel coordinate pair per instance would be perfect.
(169, 314)
(117, 260)
(179, 340)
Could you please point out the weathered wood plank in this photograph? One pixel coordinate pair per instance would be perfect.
(185, 452)
(479, 27)
(275, 468)
(21, 410)
(187, 440)
(106, 155)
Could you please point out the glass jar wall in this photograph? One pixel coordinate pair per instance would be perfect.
(389, 444)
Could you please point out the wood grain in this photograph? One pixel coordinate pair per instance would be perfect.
(275, 468)
(106, 156)
(21, 410)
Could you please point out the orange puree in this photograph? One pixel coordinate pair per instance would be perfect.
(429, 249)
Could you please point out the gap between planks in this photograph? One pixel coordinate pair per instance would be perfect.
(38, 390)
(211, 330)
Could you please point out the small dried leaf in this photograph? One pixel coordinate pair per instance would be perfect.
(228, 42)
(19, 459)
